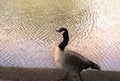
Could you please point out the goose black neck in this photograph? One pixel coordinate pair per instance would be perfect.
(64, 43)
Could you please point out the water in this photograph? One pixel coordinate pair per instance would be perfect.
(28, 37)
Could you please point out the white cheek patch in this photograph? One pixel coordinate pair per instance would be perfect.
(62, 32)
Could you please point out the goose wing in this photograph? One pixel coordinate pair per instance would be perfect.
(76, 60)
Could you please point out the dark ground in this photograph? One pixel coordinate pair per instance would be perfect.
(38, 74)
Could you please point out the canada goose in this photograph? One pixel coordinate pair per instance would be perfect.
(71, 61)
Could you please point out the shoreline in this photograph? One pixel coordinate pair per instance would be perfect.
(49, 74)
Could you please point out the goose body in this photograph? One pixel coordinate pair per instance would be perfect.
(71, 61)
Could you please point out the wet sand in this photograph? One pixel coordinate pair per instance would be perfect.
(40, 74)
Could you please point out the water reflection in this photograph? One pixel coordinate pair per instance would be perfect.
(28, 37)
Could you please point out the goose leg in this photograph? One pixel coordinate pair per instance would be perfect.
(66, 77)
(80, 77)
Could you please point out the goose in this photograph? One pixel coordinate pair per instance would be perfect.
(70, 61)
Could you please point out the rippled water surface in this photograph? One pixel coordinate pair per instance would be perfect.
(28, 37)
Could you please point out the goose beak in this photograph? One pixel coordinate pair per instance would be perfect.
(57, 31)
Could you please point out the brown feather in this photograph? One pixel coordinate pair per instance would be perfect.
(76, 60)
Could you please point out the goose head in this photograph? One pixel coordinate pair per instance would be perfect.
(62, 30)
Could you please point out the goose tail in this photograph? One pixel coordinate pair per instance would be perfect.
(94, 65)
